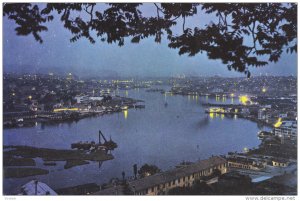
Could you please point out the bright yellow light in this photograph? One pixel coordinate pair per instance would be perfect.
(30, 97)
(264, 90)
(222, 116)
(236, 110)
(65, 109)
(125, 114)
(232, 95)
(211, 115)
(125, 107)
(244, 100)
(278, 123)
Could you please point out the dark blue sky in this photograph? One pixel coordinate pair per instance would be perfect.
(144, 59)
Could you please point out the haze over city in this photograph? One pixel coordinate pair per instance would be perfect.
(147, 58)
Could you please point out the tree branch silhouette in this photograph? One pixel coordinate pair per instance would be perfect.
(272, 27)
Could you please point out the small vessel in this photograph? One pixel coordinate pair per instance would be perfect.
(92, 146)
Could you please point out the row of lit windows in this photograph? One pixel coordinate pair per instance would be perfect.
(280, 164)
(239, 166)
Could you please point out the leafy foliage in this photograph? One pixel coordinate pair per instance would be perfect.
(147, 170)
(243, 34)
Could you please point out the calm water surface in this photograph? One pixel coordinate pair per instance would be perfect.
(160, 135)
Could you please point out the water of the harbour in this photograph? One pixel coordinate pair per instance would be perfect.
(159, 134)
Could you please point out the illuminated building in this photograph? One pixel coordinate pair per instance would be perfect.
(280, 162)
(69, 77)
(264, 114)
(244, 100)
(286, 130)
(242, 162)
(65, 109)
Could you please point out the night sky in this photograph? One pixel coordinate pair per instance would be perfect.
(57, 53)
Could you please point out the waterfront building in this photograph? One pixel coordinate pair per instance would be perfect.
(96, 98)
(81, 99)
(242, 162)
(287, 130)
(283, 115)
(87, 99)
(264, 114)
(161, 183)
(245, 111)
(280, 162)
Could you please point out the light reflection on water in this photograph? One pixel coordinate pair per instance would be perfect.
(125, 114)
(159, 135)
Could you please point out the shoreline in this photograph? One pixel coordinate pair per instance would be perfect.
(19, 160)
(56, 118)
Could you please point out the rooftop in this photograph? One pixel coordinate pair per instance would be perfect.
(168, 176)
(288, 124)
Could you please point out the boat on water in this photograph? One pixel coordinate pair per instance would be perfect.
(93, 146)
